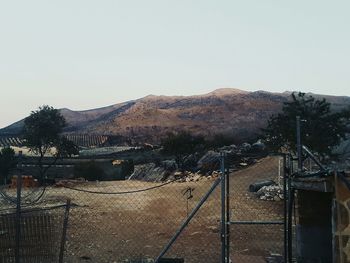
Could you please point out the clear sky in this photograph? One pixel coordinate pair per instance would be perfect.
(83, 54)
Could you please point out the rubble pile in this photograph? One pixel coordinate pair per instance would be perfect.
(149, 172)
(193, 177)
(270, 193)
(196, 166)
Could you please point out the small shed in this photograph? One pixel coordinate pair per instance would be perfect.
(323, 218)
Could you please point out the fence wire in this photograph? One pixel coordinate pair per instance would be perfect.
(257, 233)
(133, 220)
(41, 232)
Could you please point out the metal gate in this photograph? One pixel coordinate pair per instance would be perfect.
(256, 214)
(256, 223)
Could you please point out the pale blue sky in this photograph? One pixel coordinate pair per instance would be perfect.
(83, 54)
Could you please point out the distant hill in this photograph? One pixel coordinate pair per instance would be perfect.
(223, 111)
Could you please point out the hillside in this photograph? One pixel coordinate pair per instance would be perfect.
(223, 111)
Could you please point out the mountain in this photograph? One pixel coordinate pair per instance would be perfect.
(223, 111)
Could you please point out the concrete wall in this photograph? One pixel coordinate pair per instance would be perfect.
(66, 169)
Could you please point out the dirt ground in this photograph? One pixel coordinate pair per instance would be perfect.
(117, 228)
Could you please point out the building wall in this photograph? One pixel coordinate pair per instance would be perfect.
(341, 223)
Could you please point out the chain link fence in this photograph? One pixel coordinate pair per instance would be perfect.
(257, 212)
(134, 220)
(36, 234)
(112, 221)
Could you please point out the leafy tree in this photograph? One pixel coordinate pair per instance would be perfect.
(181, 144)
(42, 133)
(321, 128)
(8, 162)
(66, 148)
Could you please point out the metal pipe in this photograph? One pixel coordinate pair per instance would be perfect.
(18, 210)
(64, 232)
(255, 223)
(223, 210)
(188, 220)
(310, 154)
(290, 220)
(299, 145)
(285, 212)
(289, 212)
(228, 219)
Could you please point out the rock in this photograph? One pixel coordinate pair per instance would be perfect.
(190, 162)
(258, 185)
(148, 146)
(259, 146)
(149, 172)
(179, 174)
(169, 165)
(187, 173)
(271, 192)
(214, 229)
(245, 147)
(196, 177)
(276, 198)
(228, 149)
(209, 162)
(195, 233)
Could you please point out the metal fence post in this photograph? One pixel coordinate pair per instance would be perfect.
(285, 207)
(290, 211)
(223, 210)
(299, 144)
(64, 232)
(18, 210)
(228, 218)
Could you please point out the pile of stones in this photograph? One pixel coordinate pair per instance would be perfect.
(194, 177)
(270, 193)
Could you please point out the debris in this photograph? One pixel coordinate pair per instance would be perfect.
(257, 185)
(270, 193)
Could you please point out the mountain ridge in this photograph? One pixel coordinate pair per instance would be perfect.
(223, 111)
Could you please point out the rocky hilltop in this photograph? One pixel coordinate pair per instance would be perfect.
(223, 111)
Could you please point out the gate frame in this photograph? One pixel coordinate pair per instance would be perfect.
(226, 222)
(287, 212)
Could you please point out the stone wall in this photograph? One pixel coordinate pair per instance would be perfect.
(341, 219)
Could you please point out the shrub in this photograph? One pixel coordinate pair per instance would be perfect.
(7, 163)
(182, 144)
(220, 140)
